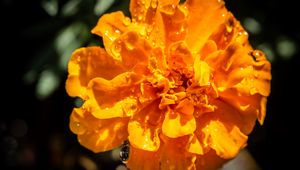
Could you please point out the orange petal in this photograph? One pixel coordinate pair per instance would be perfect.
(226, 143)
(209, 161)
(86, 64)
(179, 56)
(240, 70)
(201, 72)
(131, 49)
(174, 22)
(143, 128)
(229, 32)
(142, 160)
(148, 93)
(110, 27)
(205, 16)
(114, 98)
(177, 125)
(185, 106)
(96, 134)
(174, 157)
(143, 137)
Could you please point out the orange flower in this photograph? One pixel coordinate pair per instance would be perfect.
(179, 81)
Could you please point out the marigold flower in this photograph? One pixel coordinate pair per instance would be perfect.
(179, 81)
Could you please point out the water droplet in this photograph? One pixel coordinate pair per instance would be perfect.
(77, 127)
(229, 25)
(242, 37)
(140, 17)
(117, 31)
(125, 151)
(78, 59)
(154, 3)
(256, 55)
(116, 50)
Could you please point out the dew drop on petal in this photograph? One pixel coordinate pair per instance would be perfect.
(116, 50)
(229, 25)
(77, 127)
(124, 152)
(154, 3)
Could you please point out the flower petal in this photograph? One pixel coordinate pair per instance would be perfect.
(209, 161)
(131, 49)
(226, 143)
(241, 70)
(142, 160)
(201, 72)
(174, 157)
(110, 27)
(195, 146)
(95, 134)
(205, 16)
(143, 128)
(177, 125)
(86, 64)
(114, 98)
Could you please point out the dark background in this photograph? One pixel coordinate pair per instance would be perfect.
(34, 132)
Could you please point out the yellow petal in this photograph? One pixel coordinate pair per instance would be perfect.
(86, 64)
(195, 146)
(205, 16)
(96, 134)
(226, 143)
(201, 72)
(144, 129)
(177, 125)
(143, 137)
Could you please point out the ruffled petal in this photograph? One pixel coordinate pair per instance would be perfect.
(240, 70)
(114, 98)
(226, 143)
(86, 64)
(250, 107)
(174, 157)
(95, 134)
(143, 128)
(205, 16)
(131, 49)
(229, 32)
(177, 125)
(110, 27)
(202, 72)
(142, 160)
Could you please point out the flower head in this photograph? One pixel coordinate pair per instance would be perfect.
(179, 81)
